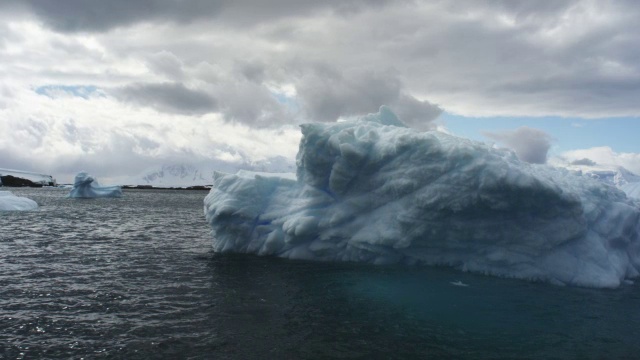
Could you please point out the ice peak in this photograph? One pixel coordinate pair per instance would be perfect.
(384, 116)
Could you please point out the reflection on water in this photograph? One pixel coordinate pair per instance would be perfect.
(133, 277)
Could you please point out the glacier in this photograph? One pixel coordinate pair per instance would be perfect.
(372, 190)
(85, 186)
(10, 202)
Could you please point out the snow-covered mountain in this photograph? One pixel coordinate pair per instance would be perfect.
(177, 175)
(617, 176)
(614, 175)
(184, 175)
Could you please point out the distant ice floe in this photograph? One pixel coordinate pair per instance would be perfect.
(85, 186)
(10, 202)
(371, 190)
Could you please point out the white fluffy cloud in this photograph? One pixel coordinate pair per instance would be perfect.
(67, 133)
(600, 156)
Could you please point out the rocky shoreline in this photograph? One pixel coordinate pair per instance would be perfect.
(13, 181)
(150, 187)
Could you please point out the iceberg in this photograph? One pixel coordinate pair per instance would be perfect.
(632, 190)
(10, 202)
(371, 190)
(85, 186)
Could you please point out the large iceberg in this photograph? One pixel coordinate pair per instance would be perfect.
(371, 190)
(632, 190)
(10, 202)
(85, 186)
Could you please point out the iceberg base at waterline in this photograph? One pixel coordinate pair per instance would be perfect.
(85, 186)
(10, 202)
(373, 191)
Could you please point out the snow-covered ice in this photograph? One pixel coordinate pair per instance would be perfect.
(85, 186)
(371, 190)
(613, 175)
(632, 190)
(10, 202)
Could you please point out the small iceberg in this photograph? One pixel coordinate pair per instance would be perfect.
(10, 202)
(85, 186)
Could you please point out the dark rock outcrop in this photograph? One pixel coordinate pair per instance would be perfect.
(12, 181)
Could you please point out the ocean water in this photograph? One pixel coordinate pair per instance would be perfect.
(134, 278)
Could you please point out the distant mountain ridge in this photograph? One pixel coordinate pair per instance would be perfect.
(184, 174)
(177, 175)
(14, 177)
(612, 175)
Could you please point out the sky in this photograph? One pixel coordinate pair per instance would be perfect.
(118, 88)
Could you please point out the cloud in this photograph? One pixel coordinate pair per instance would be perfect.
(468, 57)
(166, 64)
(253, 71)
(583, 161)
(63, 135)
(252, 67)
(252, 104)
(415, 113)
(328, 94)
(168, 97)
(99, 16)
(531, 145)
(96, 16)
(602, 156)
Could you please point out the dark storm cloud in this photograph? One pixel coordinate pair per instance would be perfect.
(252, 71)
(168, 97)
(328, 94)
(522, 9)
(415, 113)
(251, 103)
(590, 92)
(237, 101)
(101, 15)
(583, 161)
(98, 15)
(531, 145)
(472, 57)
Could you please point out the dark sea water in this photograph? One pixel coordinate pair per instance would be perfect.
(134, 278)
